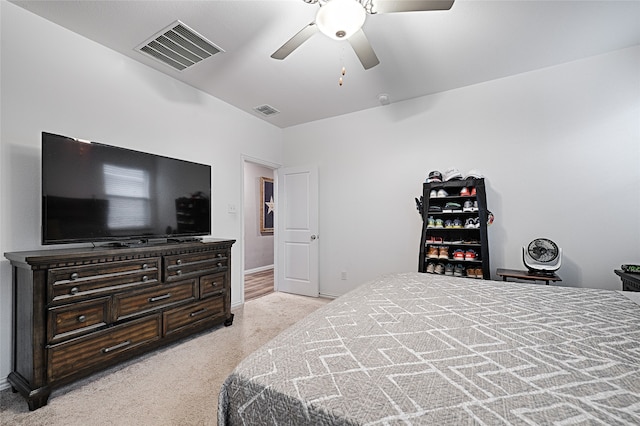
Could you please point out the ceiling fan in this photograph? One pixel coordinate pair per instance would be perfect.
(343, 20)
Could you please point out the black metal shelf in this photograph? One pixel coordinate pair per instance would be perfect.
(480, 233)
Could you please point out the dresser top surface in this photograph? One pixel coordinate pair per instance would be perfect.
(55, 255)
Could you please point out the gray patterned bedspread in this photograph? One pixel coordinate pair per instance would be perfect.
(426, 349)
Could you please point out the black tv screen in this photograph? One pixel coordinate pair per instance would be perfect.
(97, 192)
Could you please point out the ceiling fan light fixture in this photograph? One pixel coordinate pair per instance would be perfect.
(340, 19)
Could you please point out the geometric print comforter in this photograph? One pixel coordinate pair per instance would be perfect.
(423, 349)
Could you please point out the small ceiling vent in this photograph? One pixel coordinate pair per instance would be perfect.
(266, 110)
(178, 46)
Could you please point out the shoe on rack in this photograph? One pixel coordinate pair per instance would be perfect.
(442, 193)
(457, 223)
(448, 224)
(448, 269)
(465, 192)
(451, 207)
(431, 267)
(476, 222)
(470, 255)
(475, 206)
(469, 223)
(458, 271)
(431, 222)
(438, 223)
(471, 272)
(458, 254)
(467, 207)
(473, 191)
(435, 209)
(439, 269)
(433, 193)
(443, 252)
(470, 241)
(433, 252)
(479, 273)
(437, 240)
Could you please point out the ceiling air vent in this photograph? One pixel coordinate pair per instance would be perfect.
(266, 110)
(179, 46)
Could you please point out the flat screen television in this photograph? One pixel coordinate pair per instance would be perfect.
(95, 192)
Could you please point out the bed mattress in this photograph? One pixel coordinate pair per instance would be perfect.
(416, 348)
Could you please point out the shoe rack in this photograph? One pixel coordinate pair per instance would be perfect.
(451, 227)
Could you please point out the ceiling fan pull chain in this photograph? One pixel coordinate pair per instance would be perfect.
(343, 71)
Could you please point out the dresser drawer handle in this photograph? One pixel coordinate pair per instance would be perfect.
(157, 298)
(82, 318)
(196, 313)
(116, 347)
(214, 283)
(74, 276)
(145, 266)
(178, 262)
(74, 290)
(219, 254)
(145, 278)
(219, 265)
(179, 272)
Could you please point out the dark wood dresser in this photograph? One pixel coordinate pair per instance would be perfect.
(77, 311)
(630, 281)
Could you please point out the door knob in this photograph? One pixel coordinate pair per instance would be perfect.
(313, 237)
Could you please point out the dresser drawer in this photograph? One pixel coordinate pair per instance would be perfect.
(213, 285)
(65, 359)
(77, 282)
(72, 320)
(184, 316)
(129, 304)
(178, 267)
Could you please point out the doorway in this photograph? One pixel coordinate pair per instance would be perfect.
(258, 228)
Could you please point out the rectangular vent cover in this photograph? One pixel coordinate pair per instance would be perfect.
(179, 46)
(266, 110)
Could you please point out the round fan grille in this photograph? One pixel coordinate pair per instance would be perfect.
(543, 250)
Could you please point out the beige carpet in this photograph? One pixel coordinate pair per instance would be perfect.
(176, 385)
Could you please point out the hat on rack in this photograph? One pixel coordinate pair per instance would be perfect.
(474, 173)
(434, 176)
(452, 173)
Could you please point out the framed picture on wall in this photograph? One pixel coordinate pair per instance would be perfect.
(267, 205)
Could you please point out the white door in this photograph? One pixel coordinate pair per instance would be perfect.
(297, 231)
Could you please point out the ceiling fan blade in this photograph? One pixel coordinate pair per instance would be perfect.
(391, 6)
(295, 41)
(363, 49)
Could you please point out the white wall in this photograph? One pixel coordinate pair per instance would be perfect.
(258, 247)
(54, 80)
(559, 147)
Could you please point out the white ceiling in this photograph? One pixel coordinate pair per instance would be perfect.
(420, 52)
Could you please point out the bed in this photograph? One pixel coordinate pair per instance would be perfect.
(414, 348)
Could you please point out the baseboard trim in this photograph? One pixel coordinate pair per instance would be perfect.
(328, 296)
(259, 269)
(4, 384)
